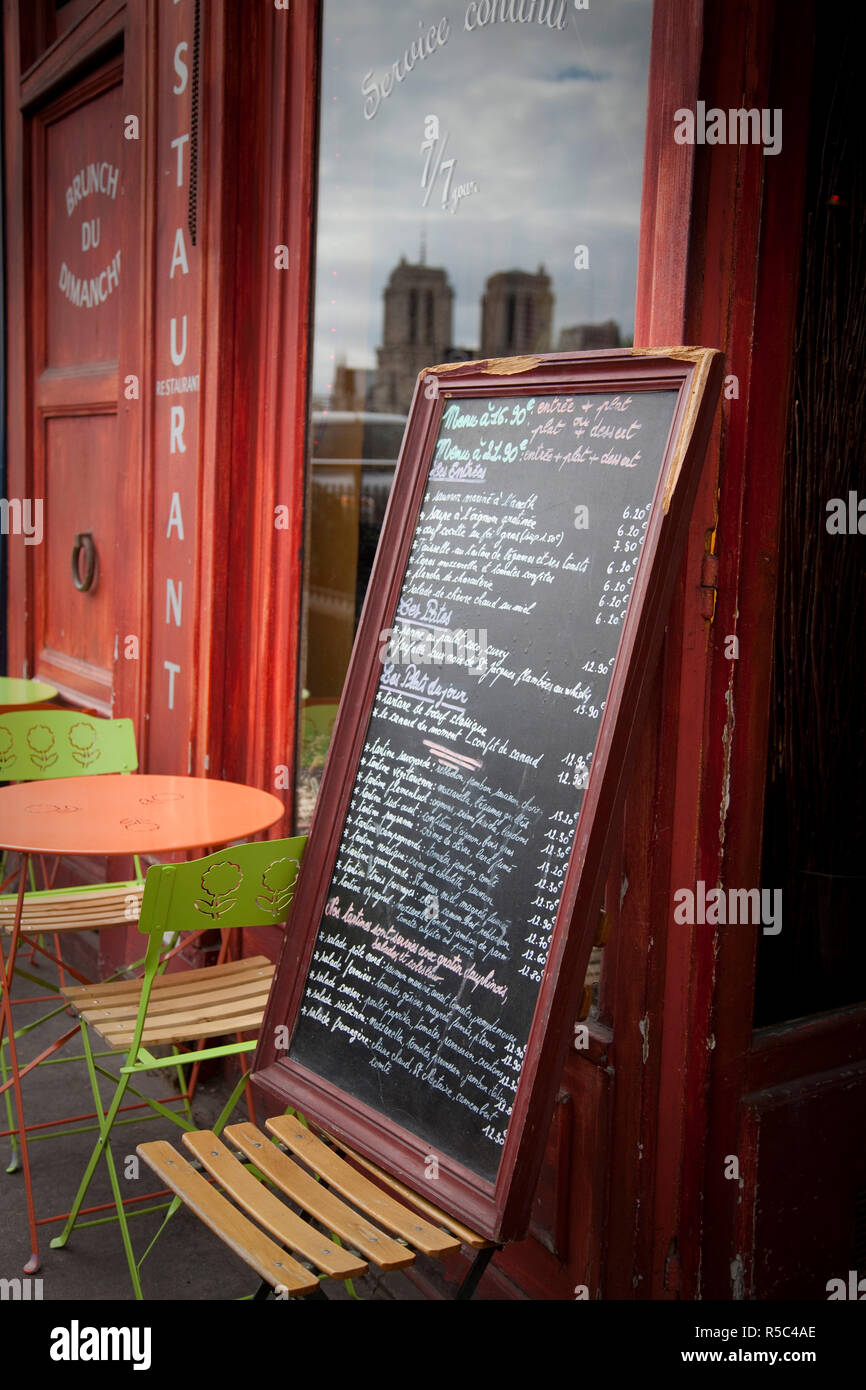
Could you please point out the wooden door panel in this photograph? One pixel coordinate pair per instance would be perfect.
(78, 628)
(81, 270)
(78, 208)
(803, 1180)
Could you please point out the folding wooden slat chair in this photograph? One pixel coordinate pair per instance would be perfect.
(243, 886)
(41, 745)
(359, 1220)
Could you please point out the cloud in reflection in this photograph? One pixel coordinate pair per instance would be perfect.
(549, 125)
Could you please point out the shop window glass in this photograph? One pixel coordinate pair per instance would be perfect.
(479, 191)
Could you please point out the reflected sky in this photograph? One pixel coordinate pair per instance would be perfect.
(547, 123)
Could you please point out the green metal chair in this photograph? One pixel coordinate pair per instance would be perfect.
(243, 886)
(40, 745)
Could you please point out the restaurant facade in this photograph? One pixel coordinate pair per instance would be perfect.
(235, 233)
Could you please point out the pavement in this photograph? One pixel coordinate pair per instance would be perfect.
(188, 1261)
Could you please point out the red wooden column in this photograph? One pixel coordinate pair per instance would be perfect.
(717, 222)
(133, 597)
(256, 427)
(766, 243)
(227, 383)
(179, 522)
(637, 996)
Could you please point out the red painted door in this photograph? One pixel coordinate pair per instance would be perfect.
(77, 206)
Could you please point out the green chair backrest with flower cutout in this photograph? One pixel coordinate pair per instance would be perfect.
(40, 744)
(244, 886)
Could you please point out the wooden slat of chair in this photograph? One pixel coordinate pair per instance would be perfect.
(164, 1004)
(185, 1014)
(187, 1006)
(463, 1233)
(205, 1026)
(182, 982)
(167, 1001)
(51, 896)
(316, 1200)
(191, 1030)
(47, 911)
(70, 921)
(92, 921)
(256, 1199)
(358, 1189)
(233, 1228)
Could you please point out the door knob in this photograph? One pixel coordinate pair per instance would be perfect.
(83, 544)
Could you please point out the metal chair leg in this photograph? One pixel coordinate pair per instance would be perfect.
(226, 1112)
(14, 1165)
(8, 1027)
(475, 1273)
(106, 1122)
(183, 1083)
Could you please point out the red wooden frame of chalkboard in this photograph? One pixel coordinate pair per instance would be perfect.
(498, 1210)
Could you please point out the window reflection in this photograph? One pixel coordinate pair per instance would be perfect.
(479, 189)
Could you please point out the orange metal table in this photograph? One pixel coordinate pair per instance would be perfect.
(140, 814)
(113, 815)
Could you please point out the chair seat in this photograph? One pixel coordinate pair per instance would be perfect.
(329, 1192)
(183, 1007)
(74, 909)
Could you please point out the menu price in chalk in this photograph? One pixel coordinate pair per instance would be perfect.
(444, 895)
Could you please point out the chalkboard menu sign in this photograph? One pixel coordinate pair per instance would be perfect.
(452, 877)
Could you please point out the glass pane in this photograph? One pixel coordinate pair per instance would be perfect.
(479, 196)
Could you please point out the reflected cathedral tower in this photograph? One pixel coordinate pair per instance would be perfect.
(419, 311)
(516, 319)
(516, 313)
